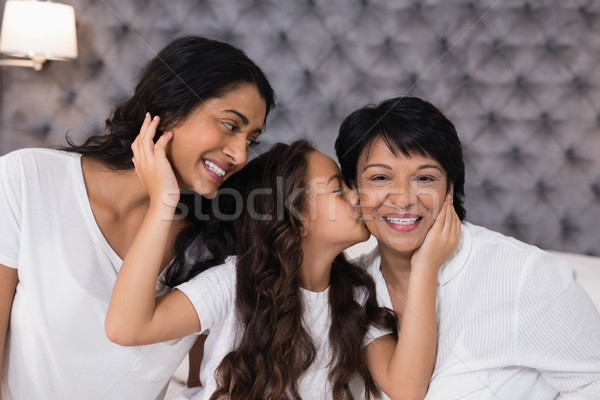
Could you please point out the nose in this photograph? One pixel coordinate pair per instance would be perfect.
(351, 197)
(352, 203)
(402, 196)
(236, 149)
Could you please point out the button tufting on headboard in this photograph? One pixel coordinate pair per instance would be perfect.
(518, 78)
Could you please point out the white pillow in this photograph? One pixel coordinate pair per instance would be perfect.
(588, 272)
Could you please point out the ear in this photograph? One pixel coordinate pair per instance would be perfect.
(303, 231)
(450, 190)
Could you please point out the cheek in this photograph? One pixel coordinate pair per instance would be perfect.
(431, 200)
(370, 199)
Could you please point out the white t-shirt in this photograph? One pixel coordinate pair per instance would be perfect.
(512, 323)
(213, 295)
(57, 347)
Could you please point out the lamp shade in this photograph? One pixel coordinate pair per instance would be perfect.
(38, 29)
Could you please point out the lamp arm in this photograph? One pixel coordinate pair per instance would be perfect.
(35, 63)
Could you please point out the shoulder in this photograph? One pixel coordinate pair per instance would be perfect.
(212, 293)
(222, 276)
(369, 260)
(497, 245)
(494, 249)
(41, 159)
(38, 154)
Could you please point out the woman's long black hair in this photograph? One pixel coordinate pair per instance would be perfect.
(184, 74)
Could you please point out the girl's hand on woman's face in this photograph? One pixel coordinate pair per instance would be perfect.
(152, 165)
(441, 240)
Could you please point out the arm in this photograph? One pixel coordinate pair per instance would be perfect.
(558, 329)
(8, 283)
(135, 316)
(403, 369)
(195, 360)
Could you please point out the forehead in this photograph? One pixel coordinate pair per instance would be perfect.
(244, 98)
(321, 166)
(379, 152)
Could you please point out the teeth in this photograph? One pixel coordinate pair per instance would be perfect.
(402, 221)
(214, 168)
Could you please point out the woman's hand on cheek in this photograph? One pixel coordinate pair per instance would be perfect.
(152, 165)
(441, 241)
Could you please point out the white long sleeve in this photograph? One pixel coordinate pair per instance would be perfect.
(513, 324)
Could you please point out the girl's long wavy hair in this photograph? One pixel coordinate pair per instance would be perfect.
(275, 348)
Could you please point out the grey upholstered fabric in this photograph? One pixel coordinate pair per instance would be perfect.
(520, 79)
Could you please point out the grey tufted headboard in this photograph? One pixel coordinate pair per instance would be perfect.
(520, 79)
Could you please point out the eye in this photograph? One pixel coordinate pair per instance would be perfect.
(379, 178)
(250, 143)
(425, 179)
(339, 190)
(230, 126)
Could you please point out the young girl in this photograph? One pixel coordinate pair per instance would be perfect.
(289, 318)
(68, 217)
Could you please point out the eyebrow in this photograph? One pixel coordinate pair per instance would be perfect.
(376, 166)
(333, 177)
(426, 166)
(243, 118)
(420, 167)
(239, 114)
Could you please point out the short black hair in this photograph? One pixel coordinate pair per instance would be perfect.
(409, 125)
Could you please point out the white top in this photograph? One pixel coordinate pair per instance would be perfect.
(512, 322)
(213, 295)
(57, 347)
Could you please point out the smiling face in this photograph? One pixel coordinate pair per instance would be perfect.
(331, 221)
(211, 144)
(400, 196)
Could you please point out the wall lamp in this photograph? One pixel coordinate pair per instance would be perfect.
(36, 31)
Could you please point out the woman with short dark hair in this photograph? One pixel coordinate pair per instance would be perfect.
(512, 321)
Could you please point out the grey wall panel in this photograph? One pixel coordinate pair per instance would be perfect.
(519, 79)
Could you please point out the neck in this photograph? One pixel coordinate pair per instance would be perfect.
(316, 267)
(396, 268)
(121, 190)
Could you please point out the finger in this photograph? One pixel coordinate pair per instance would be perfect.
(455, 222)
(162, 142)
(135, 149)
(135, 167)
(445, 219)
(441, 218)
(135, 146)
(147, 144)
(146, 122)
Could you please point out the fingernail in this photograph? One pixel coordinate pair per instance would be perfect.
(147, 115)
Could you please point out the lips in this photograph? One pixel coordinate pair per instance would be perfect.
(216, 169)
(402, 222)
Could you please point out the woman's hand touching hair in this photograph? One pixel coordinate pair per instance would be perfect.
(152, 165)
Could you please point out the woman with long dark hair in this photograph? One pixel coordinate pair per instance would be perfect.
(289, 317)
(69, 217)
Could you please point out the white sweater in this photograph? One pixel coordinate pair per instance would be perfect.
(513, 323)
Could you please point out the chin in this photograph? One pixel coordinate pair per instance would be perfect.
(406, 247)
(203, 191)
(209, 195)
